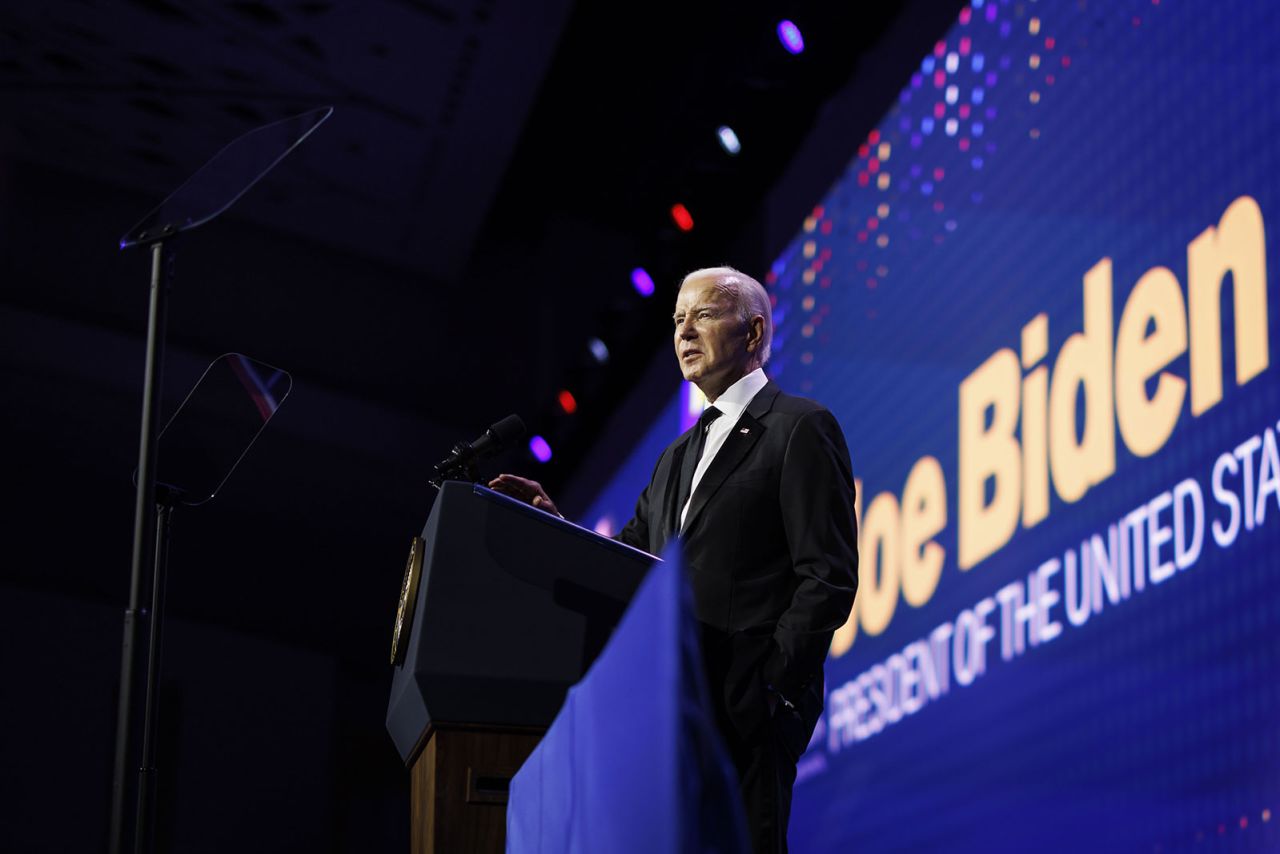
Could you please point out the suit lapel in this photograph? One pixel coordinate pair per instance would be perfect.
(667, 483)
(742, 438)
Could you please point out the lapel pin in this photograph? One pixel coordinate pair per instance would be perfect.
(745, 430)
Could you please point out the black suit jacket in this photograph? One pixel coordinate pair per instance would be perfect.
(770, 543)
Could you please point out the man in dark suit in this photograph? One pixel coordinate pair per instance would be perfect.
(761, 494)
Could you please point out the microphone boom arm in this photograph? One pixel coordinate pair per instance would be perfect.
(459, 465)
(461, 462)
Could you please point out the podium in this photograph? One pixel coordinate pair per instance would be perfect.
(511, 607)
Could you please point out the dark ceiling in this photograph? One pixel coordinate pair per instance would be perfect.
(468, 219)
(434, 257)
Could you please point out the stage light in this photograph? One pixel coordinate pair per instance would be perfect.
(599, 351)
(540, 449)
(789, 35)
(642, 282)
(729, 140)
(682, 217)
(567, 401)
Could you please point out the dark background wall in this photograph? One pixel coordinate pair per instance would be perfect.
(410, 312)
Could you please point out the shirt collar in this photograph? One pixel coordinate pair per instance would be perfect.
(738, 396)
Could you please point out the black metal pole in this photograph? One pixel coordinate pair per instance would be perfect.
(142, 525)
(142, 827)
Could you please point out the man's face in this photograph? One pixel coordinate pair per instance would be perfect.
(713, 343)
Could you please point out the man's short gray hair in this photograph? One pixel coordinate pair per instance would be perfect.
(749, 295)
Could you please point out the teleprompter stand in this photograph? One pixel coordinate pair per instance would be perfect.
(208, 193)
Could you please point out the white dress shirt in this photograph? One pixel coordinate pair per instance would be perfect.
(732, 403)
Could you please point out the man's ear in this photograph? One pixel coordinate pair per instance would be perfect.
(755, 333)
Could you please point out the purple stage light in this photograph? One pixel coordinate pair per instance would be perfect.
(642, 282)
(789, 35)
(540, 449)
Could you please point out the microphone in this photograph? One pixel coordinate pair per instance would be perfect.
(465, 454)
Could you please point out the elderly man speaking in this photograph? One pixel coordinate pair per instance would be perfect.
(761, 495)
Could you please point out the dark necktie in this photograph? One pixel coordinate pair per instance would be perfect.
(692, 454)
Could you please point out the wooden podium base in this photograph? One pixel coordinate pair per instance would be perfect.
(460, 781)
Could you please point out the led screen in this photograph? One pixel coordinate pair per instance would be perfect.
(1041, 301)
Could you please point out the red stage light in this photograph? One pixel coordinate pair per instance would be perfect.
(567, 402)
(682, 217)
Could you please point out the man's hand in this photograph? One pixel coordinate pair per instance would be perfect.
(528, 491)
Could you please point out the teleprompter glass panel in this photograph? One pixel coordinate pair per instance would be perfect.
(225, 178)
(216, 425)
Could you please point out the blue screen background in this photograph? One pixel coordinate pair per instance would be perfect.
(1075, 131)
